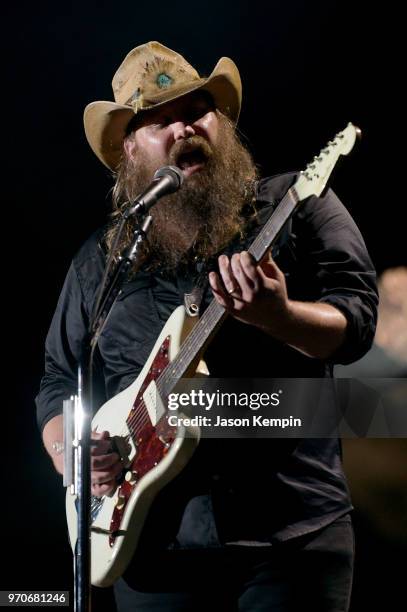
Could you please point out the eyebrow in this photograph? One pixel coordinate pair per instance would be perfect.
(203, 101)
(195, 107)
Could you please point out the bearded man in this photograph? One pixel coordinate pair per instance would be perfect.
(248, 524)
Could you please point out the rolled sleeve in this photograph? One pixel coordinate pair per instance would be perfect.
(342, 272)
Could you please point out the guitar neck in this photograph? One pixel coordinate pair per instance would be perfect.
(200, 336)
(311, 181)
(274, 225)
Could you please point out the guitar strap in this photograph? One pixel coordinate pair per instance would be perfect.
(193, 299)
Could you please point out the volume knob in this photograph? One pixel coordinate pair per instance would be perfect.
(131, 477)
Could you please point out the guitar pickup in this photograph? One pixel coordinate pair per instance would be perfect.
(153, 403)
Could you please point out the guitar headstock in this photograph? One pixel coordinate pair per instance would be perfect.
(315, 176)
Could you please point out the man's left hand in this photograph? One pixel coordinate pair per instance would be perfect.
(252, 293)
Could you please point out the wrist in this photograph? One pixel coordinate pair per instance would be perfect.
(279, 322)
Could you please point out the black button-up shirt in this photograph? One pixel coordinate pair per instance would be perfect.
(232, 490)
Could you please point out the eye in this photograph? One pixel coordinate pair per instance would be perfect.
(166, 120)
(160, 122)
(197, 113)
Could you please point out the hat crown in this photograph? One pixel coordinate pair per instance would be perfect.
(147, 72)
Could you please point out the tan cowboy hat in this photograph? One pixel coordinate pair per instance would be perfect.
(150, 76)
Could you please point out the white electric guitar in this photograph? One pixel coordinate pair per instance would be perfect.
(153, 452)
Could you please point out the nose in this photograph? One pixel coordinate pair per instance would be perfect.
(182, 130)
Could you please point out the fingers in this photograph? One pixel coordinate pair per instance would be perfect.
(247, 289)
(105, 465)
(104, 445)
(105, 482)
(226, 273)
(219, 290)
(102, 476)
(245, 286)
(237, 282)
(104, 462)
(246, 270)
(103, 435)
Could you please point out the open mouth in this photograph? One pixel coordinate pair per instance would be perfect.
(190, 161)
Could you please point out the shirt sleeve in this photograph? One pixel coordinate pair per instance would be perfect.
(63, 350)
(341, 271)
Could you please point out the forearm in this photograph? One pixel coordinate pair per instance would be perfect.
(54, 433)
(257, 295)
(105, 464)
(315, 329)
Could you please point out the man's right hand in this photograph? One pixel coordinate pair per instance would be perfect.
(105, 465)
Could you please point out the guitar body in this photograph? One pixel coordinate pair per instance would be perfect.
(153, 454)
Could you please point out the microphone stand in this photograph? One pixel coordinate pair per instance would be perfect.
(77, 420)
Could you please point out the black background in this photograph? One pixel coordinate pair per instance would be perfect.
(307, 69)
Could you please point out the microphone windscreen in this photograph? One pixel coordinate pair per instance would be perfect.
(173, 172)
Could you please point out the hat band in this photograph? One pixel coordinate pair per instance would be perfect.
(138, 102)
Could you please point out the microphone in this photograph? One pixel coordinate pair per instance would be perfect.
(167, 179)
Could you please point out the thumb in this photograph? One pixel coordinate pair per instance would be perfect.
(269, 268)
(103, 435)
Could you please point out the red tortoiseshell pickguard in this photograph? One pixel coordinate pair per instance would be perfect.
(149, 448)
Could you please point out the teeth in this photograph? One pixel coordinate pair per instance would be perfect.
(190, 164)
(190, 158)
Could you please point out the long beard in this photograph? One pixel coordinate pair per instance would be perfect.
(206, 213)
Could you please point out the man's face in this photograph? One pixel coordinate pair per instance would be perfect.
(163, 133)
(206, 212)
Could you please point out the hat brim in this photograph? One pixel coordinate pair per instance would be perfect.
(106, 122)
